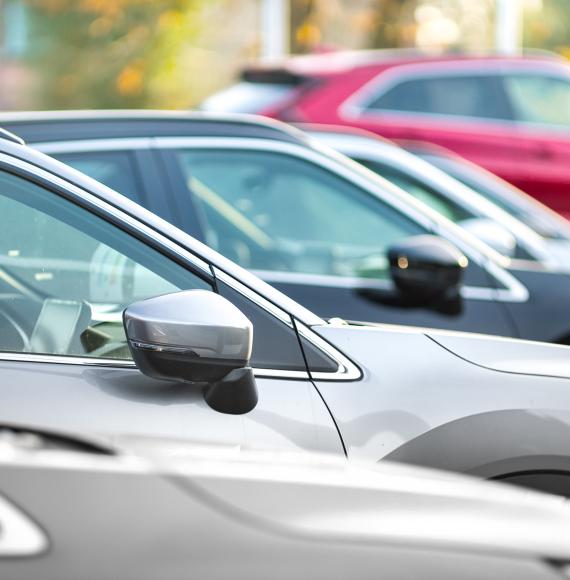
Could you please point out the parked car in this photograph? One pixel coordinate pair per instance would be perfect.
(445, 194)
(509, 114)
(73, 508)
(554, 229)
(113, 321)
(311, 222)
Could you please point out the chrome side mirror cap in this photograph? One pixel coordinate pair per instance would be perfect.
(195, 336)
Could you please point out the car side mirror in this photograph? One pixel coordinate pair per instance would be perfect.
(491, 233)
(195, 336)
(427, 268)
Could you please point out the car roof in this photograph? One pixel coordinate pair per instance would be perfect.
(337, 62)
(44, 126)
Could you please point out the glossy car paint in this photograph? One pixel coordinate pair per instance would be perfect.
(216, 513)
(392, 389)
(333, 88)
(528, 304)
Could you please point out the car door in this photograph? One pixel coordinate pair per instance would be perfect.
(69, 265)
(316, 236)
(463, 108)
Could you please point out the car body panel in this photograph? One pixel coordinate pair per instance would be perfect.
(440, 400)
(255, 516)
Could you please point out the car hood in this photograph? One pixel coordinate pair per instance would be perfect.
(507, 355)
(327, 498)
(495, 353)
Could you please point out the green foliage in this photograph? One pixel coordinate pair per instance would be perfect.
(111, 53)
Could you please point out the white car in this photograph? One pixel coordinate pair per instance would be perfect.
(77, 509)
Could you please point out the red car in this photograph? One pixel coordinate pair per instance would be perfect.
(509, 114)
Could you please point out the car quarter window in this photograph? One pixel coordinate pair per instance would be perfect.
(539, 99)
(466, 96)
(115, 169)
(66, 275)
(272, 211)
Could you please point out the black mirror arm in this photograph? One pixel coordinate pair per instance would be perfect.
(234, 394)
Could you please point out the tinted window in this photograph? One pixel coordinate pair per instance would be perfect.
(466, 96)
(66, 275)
(271, 211)
(115, 169)
(538, 99)
(275, 344)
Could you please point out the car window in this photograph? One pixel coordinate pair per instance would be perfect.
(115, 169)
(271, 211)
(440, 203)
(467, 96)
(539, 99)
(66, 275)
(276, 341)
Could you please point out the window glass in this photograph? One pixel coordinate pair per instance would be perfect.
(115, 169)
(539, 99)
(271, 211)
(66, 275)
(423, 193)
(466, 96)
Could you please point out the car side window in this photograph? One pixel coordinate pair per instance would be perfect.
(115, 169)
(466, 96)
(421, 192)
(275, 344)
(271, 211)
(539, 99)
(66, 275)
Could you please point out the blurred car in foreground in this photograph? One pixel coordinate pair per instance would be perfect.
(554, 229)
(113, 321)
(443, 193)
(317, 226)
(71, 508)
(509, 114)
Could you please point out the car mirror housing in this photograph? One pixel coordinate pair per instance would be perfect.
(427, 268)
(195, 336)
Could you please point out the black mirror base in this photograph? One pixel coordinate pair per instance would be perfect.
(235, 394)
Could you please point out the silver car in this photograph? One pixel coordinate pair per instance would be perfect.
(145, 509)
(113, 321)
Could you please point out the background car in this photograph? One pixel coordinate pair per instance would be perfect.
(71, 507)
(554, 229)
(114, 322)
(443, 193)
(510, 115)
(311, 222)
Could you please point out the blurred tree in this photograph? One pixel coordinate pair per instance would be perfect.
(551, 29)
(112, 53)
